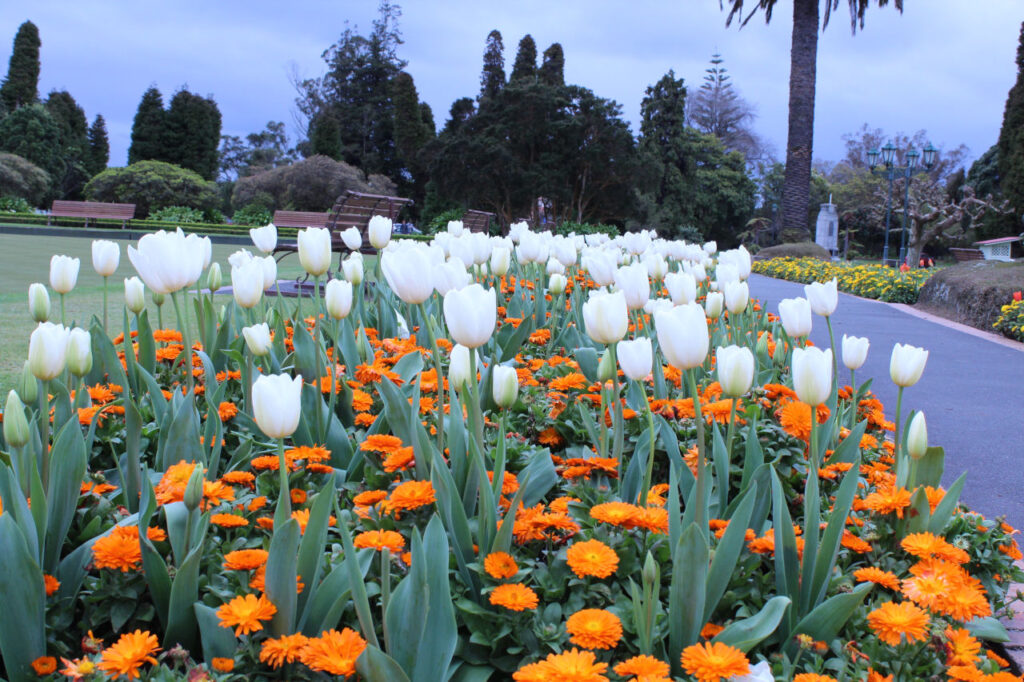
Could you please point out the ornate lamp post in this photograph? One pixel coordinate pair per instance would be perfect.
(891, 172)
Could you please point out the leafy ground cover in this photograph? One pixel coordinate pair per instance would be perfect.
(869, 281)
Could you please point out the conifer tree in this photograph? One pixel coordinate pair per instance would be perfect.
(99, 146)
(325, 137)
(525, 66)
(552, 70)
(492, 80)
(149, 130)
(1011, 138)
(193, 133)
(21, 86)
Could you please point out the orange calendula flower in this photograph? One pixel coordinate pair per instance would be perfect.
(642, 666)
(223, 665)
(402, 458)
(713, 661)
(500, 565)
(284, 649)
(928, 545)
(127, 654)
(380, 540)
(245, 612)
(228, 521)
(51, 584)
(409, 495)
(888, 500)
(369, 498)
(594, 629)
(615, 513)
(877, 576)
(44, 665)
(77, 669)
(592, 558)
(245, 559)
(568, 666)
(226, 411)
(961, 647)
(171, 487)
(118, 550)
(890, 621)
(795, 418)
(514, 597)
(334, 652)
(239, 478)
(813, 677)
(380, 442)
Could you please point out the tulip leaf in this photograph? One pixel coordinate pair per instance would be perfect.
(753, 454)
(472, 673)
(453, 514)
(848, 449)
(832, 538)
(311, 547)
(720, 460)
(130, 464)
(928, 470)
(324, 608)
(825, 621)
(67, 469)
(305, 355)
(988, 628)
(359, 598)
(434, 651)
(407, 612)
(787, 561)
(179, 434)
(588, 360)
(687, 591)
(728, 551)
(217, 641)
(538, 477)
(509, 348)
(181, 618)
(22, 592)
(281, 577)
(944, 510)
(156, 396)
(147, 346)
(158, 579)
(374, 665)
(747, 633)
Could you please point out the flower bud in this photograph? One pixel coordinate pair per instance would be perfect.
(822, 297)
(458, 366)
(505, 387)
(471, 313)
(556, 284)
(352, 238)
(855, 351)
(907, 364)
(735, 368)
(47, 350)
(338, 298)
(159, 298)
(762, 344)
(214, 278)
(651, 573)
(194, 488)
(28, 387)
(917, 436)
(38, 302)
(105, 256)
(501, 257)
(352, 267)
(606, 368)
(812, 375)
(683, 335)
(247, 283)
(265, 238)
(605, 316)
(737, 294)
(713, 304)
(79, 355)
(63, 273)
(635, 358)
(257, 338)
(314, 250)
(135, 294)
(796, 316)
(379, 231)
(277, 404)
(16, 430)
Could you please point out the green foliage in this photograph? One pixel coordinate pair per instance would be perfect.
(254, 214)
(149, 129)
(20, 87)
(439, 222)
(312, 184)
(23, 179)
(567, 226)
(984, 177)
(9, 204)
(552, 69)
(795, 250)
(74, 143)
(1011, 320)
(32, 133)
(193, 133)
(99, 146)
(325, 137)
(178, 214)
(525, 66)
(152, 185)
(412, 134)
(1011, 138)
(259, 152)
(492, 79)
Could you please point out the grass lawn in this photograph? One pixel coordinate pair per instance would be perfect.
(25, 259)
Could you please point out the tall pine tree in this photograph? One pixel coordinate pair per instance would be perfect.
(552, 69)
(492, 80)
(99, 146)
(1011, 138)
(193, 133)
(21, 86)
(74, 143)
(411, 135)
(525, 66)
(149, 130)
(325, 136)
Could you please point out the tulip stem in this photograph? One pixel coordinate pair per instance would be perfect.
(62, 320)
(187, 350)
(436, 356)
(812, 456)
(105, 282)
(650, 453)
(832, 345)
(284, 505)
(248, 379)
(44, 430)
(731, 431)
(700, 518)
(474, 398)
(316, 350)
(616, 408)
(901, 465)
(853, 398)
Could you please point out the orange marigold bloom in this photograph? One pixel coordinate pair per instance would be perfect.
(1011, 550)
(813, 677)
(369, 498)
(334, 652)
(228, 520)
(795, 418)
(297, 495)
(568, 666)
(594, 629)
(642, 666)
(854, 543)
(77, 669)
(500, 565)
(239, 478)
(551, 437)
(514, 597)
(710, 630)
(284, 649)
(361, 401)
(592, 558)
(245, 613)
(223, 665)
(100, 394)
(961, 648)
(409, 495)
(380, 540)
(652, 519)
(888, 500)
(574, 380)
(712, 661)
(402, 458)
(171, 487)
(118, 550)
(877, 576)
(381, 442)
(891, 620)
(245, 559)
(44, 665)
(615, 513)
(51, 584)
(127, 654)
(928, 545)
(226, 411)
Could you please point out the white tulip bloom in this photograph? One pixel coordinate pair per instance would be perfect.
(264, 238)
(106, 255)
(683, 335)
(63, 273)
(277, 404)
(812, 375)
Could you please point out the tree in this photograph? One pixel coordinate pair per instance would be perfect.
(492, 79)
(21, 86)
(22, 178)
(1011, 138)
(74, 143)
(149, 129)
(985, 181)
(412, 134)
(325, 137)
(308, 185)
(99, 146)
(717, 109)
(152, 185)
(552, 69)
(32, 133)
(525, 65)
(802, 77)
(260, 151)
(192, 134)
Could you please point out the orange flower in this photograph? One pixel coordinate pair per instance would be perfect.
(297, 495)
(361, 401)
(887, 500)
(334, 652)
(78, 669)
(246, 612)
(594, 629)
(127, 654)
(615, 513)
(239, 478)
(890, 620)
(245, 559)
(44, 665)
(652, 519)
(711, 661)
(927, 545)
(284, 649)
(409, 495)
(574, 380)
(795, 418)
(551, 437)
(369, 498)
(592, 558)
(118, 550)
(961, 647)
(813, 677)
(568, 666)
(228, 520)
(877, 576)
(223, 665)
(51, 584)
(380, 540)
(398, 460)
(226, 411)
(171, 487)
(380, 442)
(500, 565)
(642, 666)
(514, 597)
(854, 543)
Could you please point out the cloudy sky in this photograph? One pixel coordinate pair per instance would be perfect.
(943, 65)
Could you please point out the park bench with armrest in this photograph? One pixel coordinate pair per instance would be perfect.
(477, 221)
(91, 209)
(300, 219)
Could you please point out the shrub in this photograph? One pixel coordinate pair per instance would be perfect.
(439, 223)
(309, 185)
(23, 179)
(568, 226)
(797, 250)
(178, 214)
(152, 185)
(14, 205)
(1011, 320)
(252, 214)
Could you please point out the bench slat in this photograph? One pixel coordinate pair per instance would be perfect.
(91, 209)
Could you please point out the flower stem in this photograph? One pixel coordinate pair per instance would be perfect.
(436, 356)
(105, 282)
(44, 429)
(284, 503)
(700, 518)
(901, 465)
(650, 456)
(185, 336)
(474, 407)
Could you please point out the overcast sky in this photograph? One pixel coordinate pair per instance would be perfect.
(943, 65)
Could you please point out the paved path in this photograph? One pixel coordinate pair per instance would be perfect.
(972, 391)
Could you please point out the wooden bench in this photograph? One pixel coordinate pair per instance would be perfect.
(477, 221)
(300, 219)
(91, 209)
(967, 255)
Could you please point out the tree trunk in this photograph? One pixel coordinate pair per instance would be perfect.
(803, 58)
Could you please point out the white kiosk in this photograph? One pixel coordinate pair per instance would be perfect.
(827, 230)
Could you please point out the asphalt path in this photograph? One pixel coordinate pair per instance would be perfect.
(972, 391)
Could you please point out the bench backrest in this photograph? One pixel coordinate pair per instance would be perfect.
(477, 221)
(354, 209)
(92, 209)
(963, 255)
(300, 219)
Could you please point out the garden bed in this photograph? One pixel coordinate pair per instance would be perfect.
(866, 280)
(973, 293)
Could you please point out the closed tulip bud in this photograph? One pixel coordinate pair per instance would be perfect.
(194, 488)
(158, 298)
(38, 302)
(450, 275)
(264, 238)
(63, 273)
(683, 335)
(796, 316)
(762, 344)
(269, 271)
(822, 297)
(682, 287)
(105, 257)
(855, 351)
(28, 387)
(506, 386)
(134, 294)
(247, 283)
(651, 573)
(501, 258)
(600, 264)
(710, 248)
(471, 313)
(556, 284)
(812, 374)
(635, 358)
(277, 404)
(917, 436)
(606, 368)
(47, 350)
(16, 430)
(257, 338)
(380, 231)
(169, 261)
(338, 298)
(407, 271)
(907, 364)
(735, 367)
(214, 278)
(554, 267)
(713, 304)
(315, 250)
(737, 294)
(352, 238)
(455, 228)
(79, 355)
(605, 316)
(657, 266)
(352, 268)
(458, 367)
(205, 245)
(632, 281)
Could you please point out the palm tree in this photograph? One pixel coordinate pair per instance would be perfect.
(803, 59)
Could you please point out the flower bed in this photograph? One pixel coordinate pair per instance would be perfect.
(1011, 319)
(540, 482)
(869, 281)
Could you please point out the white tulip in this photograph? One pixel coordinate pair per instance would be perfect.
(269, 267)
(338, 298)
(105, 257)
(564, 251)
(352, 267)
(917, 436)
(456, 228)
(796, 316)
(657, 266)
(557, 284)
(79, 354)
(16, 429)
(379, 231)
(632, 281)
(762, 672)
(554, 267)
(737, 294)
(822, 297)
(214, 278)
(168, 261)
(713, 303)
(533, 248)
(38, 302)
(710, 248)
(501, 258)
(471, 313)
(812, 374)
(855, 351)
(315, 250)
(735, 368)
(134, 294)
(206, 250)
(450, 275)
(265, 238)
(725, 273)
(257, 338)
(407, 270)
(247, 283)
(47, 350)
(635, 358)
(63, 273)
(458, 367)
(605, 316)
(683, 335)
(505, 386)
(600, 264)
(352, 238)
(682, 287)
(907, 364)
(277, 404)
